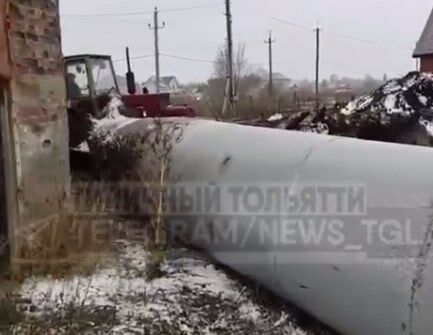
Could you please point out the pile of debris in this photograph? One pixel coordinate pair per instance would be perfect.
(302, 121)
(400, 98)
(400, 111)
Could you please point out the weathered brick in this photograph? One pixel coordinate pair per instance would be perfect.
(31, 62)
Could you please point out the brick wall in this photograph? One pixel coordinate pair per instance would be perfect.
(427, 63)
(4, 64)
(38, 119)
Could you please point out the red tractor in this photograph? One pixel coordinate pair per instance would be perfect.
(90, 82)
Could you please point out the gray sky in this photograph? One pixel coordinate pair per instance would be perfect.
(391, 28)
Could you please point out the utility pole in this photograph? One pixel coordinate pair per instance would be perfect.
(229, 21)
(270, 41)
(156, 27)
(317, 30)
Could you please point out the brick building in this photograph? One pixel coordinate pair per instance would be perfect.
(424, 47)
(34, 164)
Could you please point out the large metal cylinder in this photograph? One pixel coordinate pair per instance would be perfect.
(370, 274)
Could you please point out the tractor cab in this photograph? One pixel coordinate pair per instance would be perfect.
(89, 80)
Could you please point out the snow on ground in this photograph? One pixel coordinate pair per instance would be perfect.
(428, 125)
(83, 147)
(276, 117)
(191, 296)
(316, 128)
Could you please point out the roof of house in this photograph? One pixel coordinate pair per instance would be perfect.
(164, 80)
(425, 44)
(280, 76)
(168, 79)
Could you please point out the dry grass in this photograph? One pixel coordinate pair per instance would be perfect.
(132, 174)
(114, 207)
(57, 249)
(261, 105)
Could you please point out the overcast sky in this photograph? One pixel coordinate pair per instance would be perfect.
(359, 36)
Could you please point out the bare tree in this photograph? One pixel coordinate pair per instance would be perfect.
(240, 62)
(221, 63)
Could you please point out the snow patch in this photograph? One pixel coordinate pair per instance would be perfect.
(276, 117)
(250, 311)
(428, 125)
(349, 109)
(422, 99)
(192, 296)
(106, 128)
(83, 147)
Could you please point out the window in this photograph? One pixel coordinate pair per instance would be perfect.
(103, 76)
(77, 81)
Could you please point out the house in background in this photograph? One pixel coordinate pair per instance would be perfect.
(424, 47)
(281, 81)
(168, 84)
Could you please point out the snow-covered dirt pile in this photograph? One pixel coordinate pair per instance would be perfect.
(407, 97)
(112, 120)
(188, 295)
(276, 117)
(86, 129)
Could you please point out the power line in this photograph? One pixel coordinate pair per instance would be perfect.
(327, 61)
(175, 10)
(105, 14)
(172, 10)
(364, 70)
(168, 56)
(338, 35)
(290, 23)
(136, 57)
(293, 24)
(187, 58)
(368, 41)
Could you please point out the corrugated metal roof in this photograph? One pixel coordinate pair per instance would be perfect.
(425, 43)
